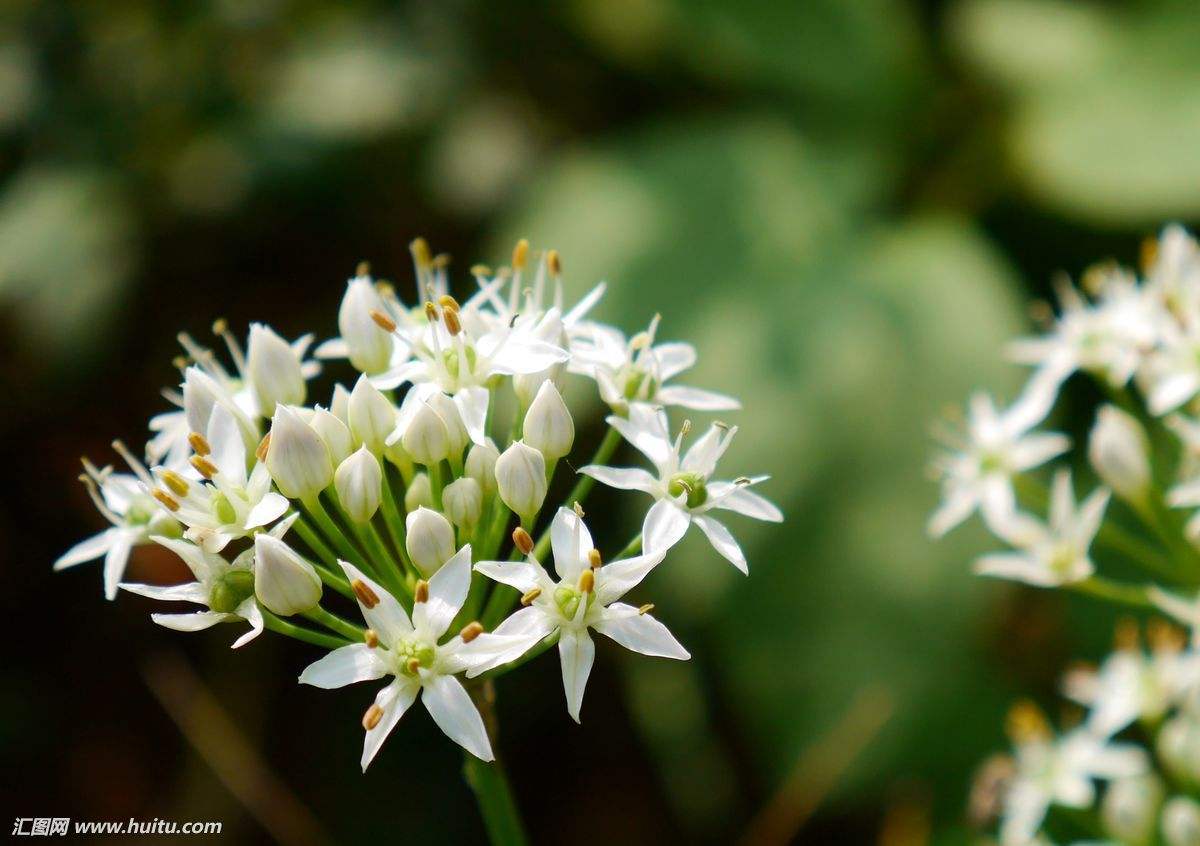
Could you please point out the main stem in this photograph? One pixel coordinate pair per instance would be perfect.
(494, 796)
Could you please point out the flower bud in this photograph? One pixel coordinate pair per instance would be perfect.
(430, 540)
(1181, 821)
(455, 429)
(283, 581)
(200, 394)
(334, 433)
(426, 439)
(297, 458)
(462, 501)
(1178, 747)
(419, 493)
(481, 465)
(1120, 453)
(548, 425)
(273, 369)
(368, 346)
(370, 414)
(340, 404)
(521, 480)
(359, 483)
(1130, 808)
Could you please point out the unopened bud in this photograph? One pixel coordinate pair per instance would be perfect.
(1129, 809)
(426, 438)
(462, 500)
(297, 457)
(359, 485)
(1181, 821)
(521, 480)
(368, 344)
(283, 581)
(1120, 453)
(481, 465)
(456, 430)
(548, 424)
(273, 370)
(334, 433)
(419, 493)
(371, 415)
(430, 540)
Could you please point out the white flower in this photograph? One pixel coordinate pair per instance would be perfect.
(426, 438)
(283, 581)
(548, 426)
(369, 347)
(1060, 771)
(297, 458)
(273, 369)
(1120, 452)
(429, 540)
(637, 370)
(1173, 276)
(1053, 554)
(1185, 610)
(226, 588)
(481, 465)
(408, 650)
(978, 473)
(1172, 372)
(231, 504)
(463, 502)
(359, 484)
(370, 415)
(582, 598)
(521, 480)
(684, 489)
(123, 500)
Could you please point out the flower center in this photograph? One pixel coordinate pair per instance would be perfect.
(639, 384)
(409, 650)
(223, 508)
(693, 484)
(231, 590)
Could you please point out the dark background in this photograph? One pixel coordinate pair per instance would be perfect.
(844, 203)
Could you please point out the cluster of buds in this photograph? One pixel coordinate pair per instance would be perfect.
(1137, 335)
(417, 493)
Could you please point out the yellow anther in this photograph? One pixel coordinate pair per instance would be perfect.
(413, 665)
(203, 466)
(471, 631)
(587, 581)
(594, 558)
(199, 444)
(647, 608)
(220, 326)
(385, 289)
(578, 509)
(1164, 636)
(1149, 253)
(365, 595)
(372, 717)
(263, 446)
(165, 498)
(441, 261)
(420, 252)
(431, 312)
(554, 263)
(179, 362)
(447, 301)
(421, 591)
(176, 483)
(369, 637)
(383, 321)
(1026, 723)
(363, 269)
(520, 254)
(1126, 637)
(522, 540)
(453, 324)
(481, 270)
(530, 595)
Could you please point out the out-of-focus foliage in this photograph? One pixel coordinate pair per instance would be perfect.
(843, 202)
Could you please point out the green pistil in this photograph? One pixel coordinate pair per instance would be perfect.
(693, 483)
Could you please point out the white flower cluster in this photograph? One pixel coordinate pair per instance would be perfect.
(1138, 338)
(401, 492)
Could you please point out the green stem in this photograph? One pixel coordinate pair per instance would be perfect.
(631, 549)
(334, 623)
(1122, 594)
(436, 482)
(496, 805)
(331, 578)
(394, 522)
(317, 511)
(283, 627)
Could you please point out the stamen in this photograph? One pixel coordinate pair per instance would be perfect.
(743, 481)
(471, 631)
(363, 269)
(372, 717)
(175, 482)
(722, 425)
(220, 328)
(520, 254)
(203, 466)
(441, 261)
(165, 498)
(413, 665)
(1126, 637)
(481, 270)
(263, 446)
(369, 637)
(135, 465)
(419, 248)
(686, 427)
(522, 540)
(554, 263)
(1026, 723)
(385, 289)
(530, 595)
(587, 581)
(453, 325)
(365, 595)
(199, 444)
(448, 302)
(431, 312)
(97, 499)
(421, 591)
(594, 558)
(383, 321)
(578, 509)
(179, 362)
(1163, 636)
(646, 609)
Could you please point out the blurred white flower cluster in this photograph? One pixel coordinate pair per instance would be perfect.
(1134, 539)
(402, 492)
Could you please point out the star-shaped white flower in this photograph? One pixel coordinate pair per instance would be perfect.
(977, 473)
(584, 597)
(1049, 554)
(684, 491)
(408, 650)
(226, 587)
(124, 501)
(1184, 609)
(637, 370)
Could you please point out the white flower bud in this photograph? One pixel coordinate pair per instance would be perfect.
(548, 424)
(462, 501)
(1130, 808)
(200, 394)
(1178, 746)
(1181, 821)
(1120, 453)
(455, 428)
(334, 433)
(359, 483)
(370, 414)
(481, 465)
(273, 369)
(283, 581)
(430, 540)
(297, 457)
(426, 438)
(521, 480)
(419, 493)
(340, 404)
(368, 346)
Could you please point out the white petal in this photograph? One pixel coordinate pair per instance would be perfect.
(115, 561)
(703, 455)
(456, 715)
(527, 356)
(447, 593)
(472, 406)
(345, 665)
(955, 507)
(514, 637)
(576, 651)
(673, 358)
(387, 618)
(639, 632)
(581, 308)
(624, 478)
(1035, 450)
(86, 550)
(186, 592)
(616, 579)
(270, 507)
(333, 348)
(1016, 566)
(202, 564)
(249, 612)
(228, 449)
(394, 699)
(722, 540)
(571, 542)
(517, 574)
(646, 429)
(1172, 392)
(192, 622)
(695, 398)
(665, 525)
(747, 502)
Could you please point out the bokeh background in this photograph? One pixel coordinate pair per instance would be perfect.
(846, 204)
